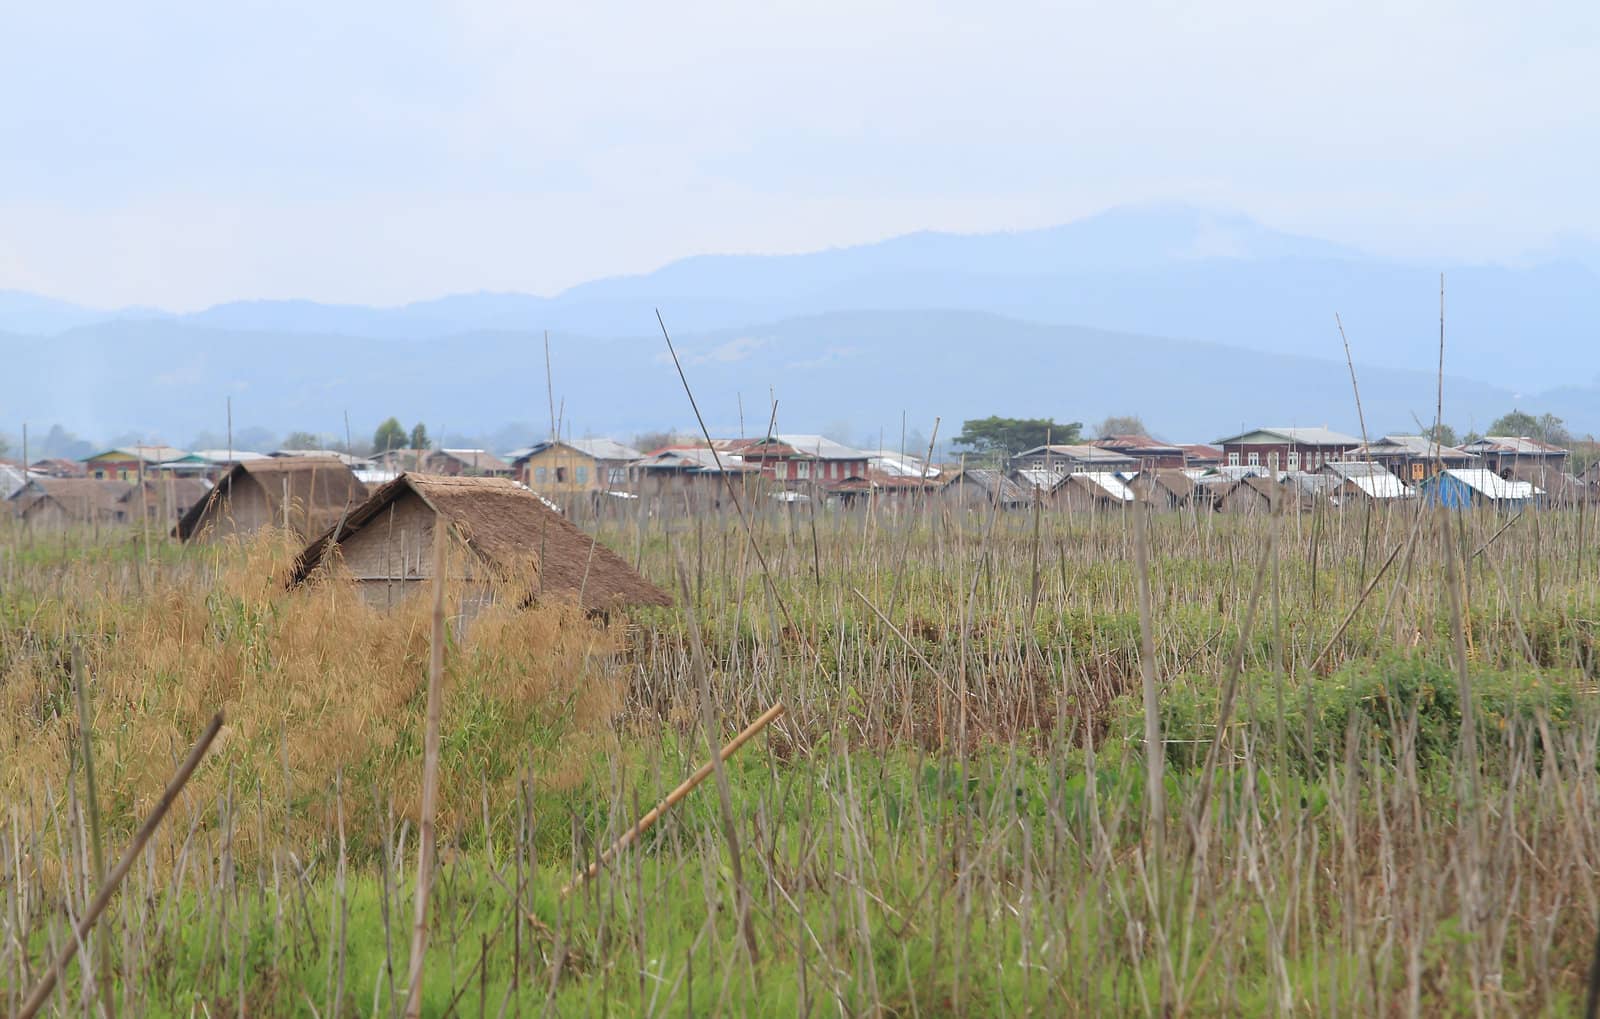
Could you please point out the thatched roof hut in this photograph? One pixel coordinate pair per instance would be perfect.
(1164, 487)
(60, 502)
(305, 495)
(506, 531)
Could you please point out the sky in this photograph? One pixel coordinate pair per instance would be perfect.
(184, 154)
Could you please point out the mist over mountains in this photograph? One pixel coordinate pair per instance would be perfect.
(1200, 322)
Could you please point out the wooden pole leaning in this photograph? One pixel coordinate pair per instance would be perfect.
(644, 823)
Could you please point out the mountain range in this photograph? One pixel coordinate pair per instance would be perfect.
(1199, 321)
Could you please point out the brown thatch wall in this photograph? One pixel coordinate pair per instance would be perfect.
(508, 530)
(255, 493)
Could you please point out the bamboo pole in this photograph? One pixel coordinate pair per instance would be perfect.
(675, 797)
(47, 982)
(430, 778)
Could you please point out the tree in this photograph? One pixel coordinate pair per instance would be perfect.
(419, 436)
(390, 435)
(1545, 428)
(58, 442)
(999, 438)
(649, 442)
(301, 440)
(1444, 435)
(1125, 424)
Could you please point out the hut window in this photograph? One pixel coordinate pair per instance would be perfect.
(1294, 460)
(1255, 459)
(583, 475)
(617, 475)
(1233, 459)
(539, 475)
(561, 475)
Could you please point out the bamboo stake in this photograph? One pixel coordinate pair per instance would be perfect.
(47, 982)
(675, 797)
(430, 779)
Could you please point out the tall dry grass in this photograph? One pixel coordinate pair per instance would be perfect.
(951, 819)
(318, 689)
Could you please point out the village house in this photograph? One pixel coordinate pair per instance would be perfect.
(1286, 449)
(901, 464)
(1164, 488)
(212, 464)
(54, 503)
(166, 498)
(1199, 455)
(13, 476)
(302, 495)
(1413, 458)
(1559, 487)
(1477, 487)
(1088, 491)
(56, 467)
(1502, 453)
(1251, 496)
(694, 478)
(573, 466)
(1068, 459)
(1146, 452)
(503, 539)
(1359, 480)
(465, 463)
(981, 488)
(131, 463)
(804, 461)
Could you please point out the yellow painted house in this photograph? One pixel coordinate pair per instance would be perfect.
(129, 463)
(574, 466)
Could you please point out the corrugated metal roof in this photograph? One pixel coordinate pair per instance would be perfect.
(1010, 493)
(1373, 479)
(149, 454)
(1142, 443)
(599, 449)
(224, 457)
(902, 465)
(604, 449)
(1419, 446)
(1080, 453)
(1298, 436)
(1492, 486)
(344, 458)
(1109, 483)
(1040, 478)
(695, 458)
(1517, 445)
(821, 447)
(12, 480)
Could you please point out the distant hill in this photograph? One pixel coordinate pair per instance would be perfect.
(1162, 271)
(856, 370)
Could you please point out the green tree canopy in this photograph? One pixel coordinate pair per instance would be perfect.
(1444, 435)
(419, 436)
(1546, 427)
(301, 440)
(1001, 438)
(390, 435)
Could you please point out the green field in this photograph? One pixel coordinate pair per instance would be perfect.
(1377, 793)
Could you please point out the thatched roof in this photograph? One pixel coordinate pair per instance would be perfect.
(509, 529)
(319, 490)
(85, 497)
(1169, 479)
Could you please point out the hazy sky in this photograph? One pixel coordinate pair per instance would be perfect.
(181, 154)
